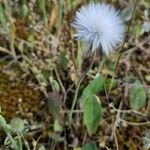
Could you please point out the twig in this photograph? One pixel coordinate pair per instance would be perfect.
(135, 123)
(2, 49)
(75, 99)
(128, 111)
(74, 111)
(130, 84)
(116, 124)
(139, 44)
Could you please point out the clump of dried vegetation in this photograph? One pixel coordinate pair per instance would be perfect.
(45, 78)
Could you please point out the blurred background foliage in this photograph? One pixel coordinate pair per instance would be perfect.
(41, 64)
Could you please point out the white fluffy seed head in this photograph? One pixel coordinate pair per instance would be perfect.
(99, 26)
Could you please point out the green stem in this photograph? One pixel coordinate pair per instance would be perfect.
(12, 140)
(118, 60)
(76, 92)
(20, 142)
(74, 100)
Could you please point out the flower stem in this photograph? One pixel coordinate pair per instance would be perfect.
(77, 90)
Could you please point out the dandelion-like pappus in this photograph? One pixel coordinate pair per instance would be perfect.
(99, 26)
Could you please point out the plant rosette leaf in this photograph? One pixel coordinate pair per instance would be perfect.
(137, 97)
(92, 113)
(17, 125)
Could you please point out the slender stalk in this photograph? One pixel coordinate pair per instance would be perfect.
(76, 92)
(20, 142)
(118, 60)
(75, 99)
(25, 142)
(118, 117)
(115, 126)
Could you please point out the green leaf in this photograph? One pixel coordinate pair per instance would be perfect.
(17, 125)
(31, 38)
(46, 74)
(25, 10)
(42, 81)
(41, 147)
(92, 113)
(137, 30)
(64, 59)
(2, 15)
(3, 123)
(109, 84)
(90, 146)
(57, 127)
(54, 84)
(42, 6)
(97, 85)
(137, 96)
(126, 13)
(145, 3)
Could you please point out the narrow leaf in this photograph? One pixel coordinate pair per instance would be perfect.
(2, 15)
(42, 6)
(25, 10)
(3, 123)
